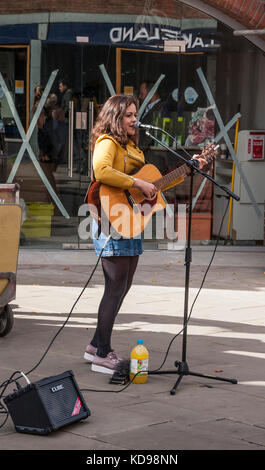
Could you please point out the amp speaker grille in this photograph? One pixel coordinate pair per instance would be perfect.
(47, 405)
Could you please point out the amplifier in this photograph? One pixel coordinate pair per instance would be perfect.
(47, 405)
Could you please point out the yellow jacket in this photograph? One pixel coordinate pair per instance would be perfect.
(112, 164)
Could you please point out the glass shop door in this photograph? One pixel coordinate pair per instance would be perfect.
(46, 132)
(79, 65)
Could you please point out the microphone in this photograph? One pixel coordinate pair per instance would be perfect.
(145, 126)
(121, 374)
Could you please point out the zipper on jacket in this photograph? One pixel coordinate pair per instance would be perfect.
(135, 158)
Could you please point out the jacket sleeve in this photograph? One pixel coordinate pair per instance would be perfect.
(103, 160)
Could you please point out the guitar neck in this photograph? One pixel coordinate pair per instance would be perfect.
(163, 182)
(180, 172)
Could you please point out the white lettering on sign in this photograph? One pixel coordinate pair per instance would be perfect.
(131, 34)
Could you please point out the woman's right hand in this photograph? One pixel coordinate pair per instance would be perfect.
(148, 189)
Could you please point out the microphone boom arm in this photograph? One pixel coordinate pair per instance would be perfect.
(190, 163)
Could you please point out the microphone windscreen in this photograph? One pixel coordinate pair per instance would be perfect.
(121, 374)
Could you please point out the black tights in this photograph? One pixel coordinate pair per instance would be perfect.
(118, 273)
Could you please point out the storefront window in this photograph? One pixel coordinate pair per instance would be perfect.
(128, 57)
(123, 53)
(13, 66)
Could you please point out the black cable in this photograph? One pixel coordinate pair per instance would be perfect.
(4, 385)
(3, 409)
(200, 288)
(110, 391)
(10, 380)
(184, 326)
(70, 313)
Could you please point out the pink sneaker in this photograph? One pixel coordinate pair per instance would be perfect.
(90, 353)
(106, 365)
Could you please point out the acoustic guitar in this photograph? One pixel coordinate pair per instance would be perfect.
(129, 211)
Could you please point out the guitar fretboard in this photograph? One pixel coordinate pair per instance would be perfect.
(170, 177)
(181, 171)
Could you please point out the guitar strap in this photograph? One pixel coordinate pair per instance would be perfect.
(87, 191)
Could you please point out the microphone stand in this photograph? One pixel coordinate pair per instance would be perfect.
(182, 366)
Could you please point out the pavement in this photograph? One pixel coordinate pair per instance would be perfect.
(225, 339)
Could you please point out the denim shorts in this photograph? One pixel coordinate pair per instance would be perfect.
(119, 247)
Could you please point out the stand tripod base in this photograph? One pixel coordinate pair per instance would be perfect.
(183, 369)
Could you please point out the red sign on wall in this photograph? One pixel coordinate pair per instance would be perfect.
(256, 146)
(258, 149)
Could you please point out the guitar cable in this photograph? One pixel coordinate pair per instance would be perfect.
(125, 366)
(14, 379)
(199, 290)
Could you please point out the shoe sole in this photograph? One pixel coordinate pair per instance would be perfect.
(88, 357)
(102, 369)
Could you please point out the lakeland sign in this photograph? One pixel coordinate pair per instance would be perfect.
(146, 36)
(129, 35)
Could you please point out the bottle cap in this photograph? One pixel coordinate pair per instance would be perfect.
(139, 341)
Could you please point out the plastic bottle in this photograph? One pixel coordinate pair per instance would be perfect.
(139, 363)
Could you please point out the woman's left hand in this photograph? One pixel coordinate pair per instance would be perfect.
(201, 160)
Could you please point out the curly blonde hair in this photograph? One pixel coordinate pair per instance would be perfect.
(109, 120)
